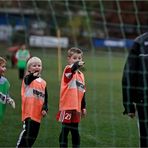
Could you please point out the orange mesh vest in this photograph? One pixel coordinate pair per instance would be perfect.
(33, 96)
(72, 92)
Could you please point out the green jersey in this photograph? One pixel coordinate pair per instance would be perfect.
(4, 92)
(22, 57)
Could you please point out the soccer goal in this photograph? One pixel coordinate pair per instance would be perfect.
(105, 31)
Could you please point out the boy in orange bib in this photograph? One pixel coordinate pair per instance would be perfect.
(34, 102)
(72, 103)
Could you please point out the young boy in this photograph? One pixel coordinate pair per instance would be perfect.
(34, 102)
(4, 90)
(22, 55)
(72, 98)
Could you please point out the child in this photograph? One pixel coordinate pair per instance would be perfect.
(34, 102)
(22, 55)
(4, 90)
(72, 98)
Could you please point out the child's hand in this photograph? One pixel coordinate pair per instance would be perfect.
(11, 102)
(81, 63)
(44, 113)
(36, 74)
(83, 112)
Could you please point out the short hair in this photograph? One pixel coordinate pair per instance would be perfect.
(33, 60)
(2, 61)
(73, 50)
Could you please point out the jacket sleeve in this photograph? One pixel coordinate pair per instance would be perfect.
(45, 105)
(29, 78)
(69, 71)
(75, 66)
(83, 103)
(129, 79)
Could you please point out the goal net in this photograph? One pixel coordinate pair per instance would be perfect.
(105, 31)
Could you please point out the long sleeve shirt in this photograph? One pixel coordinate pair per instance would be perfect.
(27, 80)
(68, 75)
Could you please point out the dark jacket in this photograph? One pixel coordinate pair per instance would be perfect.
(135, 75)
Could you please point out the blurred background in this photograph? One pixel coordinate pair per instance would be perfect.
(79, 21)
(105, 31)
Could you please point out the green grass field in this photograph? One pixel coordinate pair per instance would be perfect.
(104, 125)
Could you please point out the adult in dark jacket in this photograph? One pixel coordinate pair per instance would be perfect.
(135, 85)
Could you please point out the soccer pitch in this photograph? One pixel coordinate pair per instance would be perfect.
(104, 125)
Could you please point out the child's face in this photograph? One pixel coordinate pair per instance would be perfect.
(35, 67)
(74, 58)
(2, 69)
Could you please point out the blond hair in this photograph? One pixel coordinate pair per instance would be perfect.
(74, 50)
(2, 61)
(33, 60)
